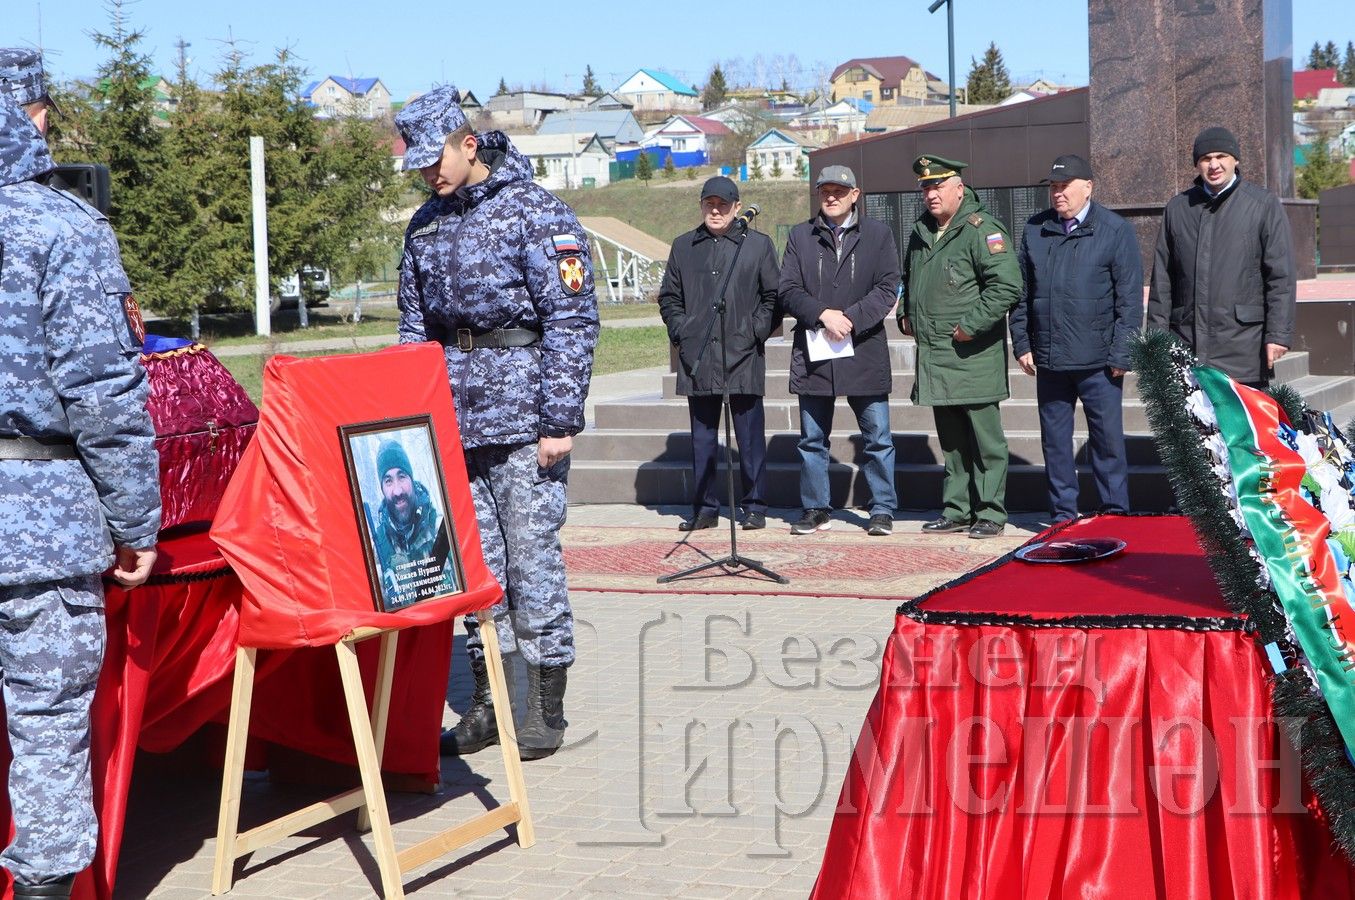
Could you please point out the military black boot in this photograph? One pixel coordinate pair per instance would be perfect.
(478, 727)
(543, 725)
(47, 891)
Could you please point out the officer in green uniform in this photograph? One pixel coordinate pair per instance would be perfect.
(960, 278)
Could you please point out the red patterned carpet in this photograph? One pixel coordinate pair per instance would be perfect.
(843, 562)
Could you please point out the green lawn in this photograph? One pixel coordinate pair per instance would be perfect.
(618, 350)
(666, 209)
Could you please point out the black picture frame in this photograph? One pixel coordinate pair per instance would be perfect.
(410, 557)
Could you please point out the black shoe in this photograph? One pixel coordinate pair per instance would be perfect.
(754, 521)
(47, 890)
(543, 725)
(813, 520)
(944, 526)
(699, 522)
(478, 727)
(984, 528)
(880, 525)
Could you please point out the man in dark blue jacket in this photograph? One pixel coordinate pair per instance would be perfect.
(1083, 301)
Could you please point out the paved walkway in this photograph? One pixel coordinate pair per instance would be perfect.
(708, 739)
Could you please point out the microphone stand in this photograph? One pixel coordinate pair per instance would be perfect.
(731, 564)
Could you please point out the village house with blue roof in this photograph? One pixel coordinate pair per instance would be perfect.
(335, 96)
(651, 89)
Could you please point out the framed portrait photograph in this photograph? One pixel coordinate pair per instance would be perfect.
(400, 498)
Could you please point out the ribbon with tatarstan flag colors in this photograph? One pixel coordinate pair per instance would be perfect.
(1292, 536)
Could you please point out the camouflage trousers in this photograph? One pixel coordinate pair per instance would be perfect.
(51, 650)
(520, 508)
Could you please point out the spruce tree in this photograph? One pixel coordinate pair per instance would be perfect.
(644, 167)
(540, 170)
(123, 135)
(503, 87)
(989, 81)
(1315, 57)
(716, 90)
(669, 170)
(776, 171)
(1347, 73)
(1323, 169)
(590, 82)
(1331, 57)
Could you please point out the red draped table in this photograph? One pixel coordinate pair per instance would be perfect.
(1097, 730)
(167, 673)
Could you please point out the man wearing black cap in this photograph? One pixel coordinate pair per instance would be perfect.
(689, 303)
(1223, 275)
(840, 277)
(1082, 304)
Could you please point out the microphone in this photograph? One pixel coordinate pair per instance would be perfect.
(745, 218)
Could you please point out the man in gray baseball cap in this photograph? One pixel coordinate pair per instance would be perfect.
(21, 77)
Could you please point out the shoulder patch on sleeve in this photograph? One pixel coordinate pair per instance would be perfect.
(997, 242)
(430, 228)
(974, 219)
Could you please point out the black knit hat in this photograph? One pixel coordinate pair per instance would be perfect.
(1216, 140)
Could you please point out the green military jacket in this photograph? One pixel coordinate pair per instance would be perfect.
(968, 277)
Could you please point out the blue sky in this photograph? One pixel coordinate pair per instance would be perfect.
(531, 42)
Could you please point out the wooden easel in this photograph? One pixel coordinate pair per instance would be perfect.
(369, 738)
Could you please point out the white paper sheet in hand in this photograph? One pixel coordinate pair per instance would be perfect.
(821, 346)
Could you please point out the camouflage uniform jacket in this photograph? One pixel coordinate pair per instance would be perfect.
(68, 370)
(503, 254)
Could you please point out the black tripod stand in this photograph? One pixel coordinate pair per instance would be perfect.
(732, 563)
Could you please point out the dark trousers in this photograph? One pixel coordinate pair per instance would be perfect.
(974, 450)
(750, 431)
(1102, 402)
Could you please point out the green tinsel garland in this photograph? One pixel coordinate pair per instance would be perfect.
(1308, 722)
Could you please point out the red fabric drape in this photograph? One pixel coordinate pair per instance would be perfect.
(287, 524)
(1023, 759)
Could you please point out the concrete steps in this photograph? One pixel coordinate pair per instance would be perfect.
(638, 450)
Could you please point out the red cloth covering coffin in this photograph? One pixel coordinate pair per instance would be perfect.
(1093, 730)
(286, 523)
(203, 421)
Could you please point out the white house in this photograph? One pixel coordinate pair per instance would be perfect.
(652, 89)
(332, 96)
(568, 162)
(1344, 141)
(1335, 98)
(781, 151)
(690, 139)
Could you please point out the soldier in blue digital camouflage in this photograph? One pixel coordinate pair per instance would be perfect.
(496, 269)
(79, 488)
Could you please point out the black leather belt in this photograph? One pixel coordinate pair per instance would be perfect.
(21, 447)
(498, 339)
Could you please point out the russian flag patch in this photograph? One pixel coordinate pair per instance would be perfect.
(565, 243)
(996, 242)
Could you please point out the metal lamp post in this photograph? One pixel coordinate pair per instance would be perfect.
(950, 30)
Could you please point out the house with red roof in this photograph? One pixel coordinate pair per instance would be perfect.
(1307, 83)
(689, 139)
(882, 80)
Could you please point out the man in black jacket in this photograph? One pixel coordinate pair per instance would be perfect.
(1223, 276)
(840, 279)
(1083, 302)
(689, 303)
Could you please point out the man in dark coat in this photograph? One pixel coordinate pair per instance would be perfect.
(689, 303)
(840, 280)
(1082, 304)
(960, 280)
(1223, 275)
